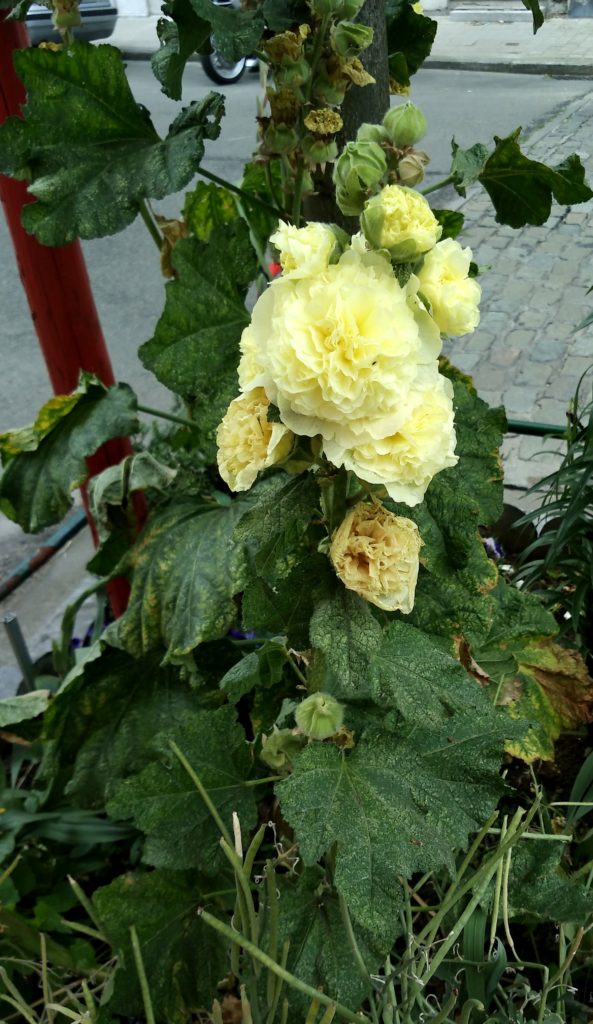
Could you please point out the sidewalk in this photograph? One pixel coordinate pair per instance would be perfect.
(563, 46)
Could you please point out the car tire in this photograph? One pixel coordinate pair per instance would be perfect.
(222, 71)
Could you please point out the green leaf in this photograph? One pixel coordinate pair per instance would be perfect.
(256, 181)
(164, 803)
(320, 954)
(90, 151)
(261, 668)
(283, 14)
(181, 34)
(186, 571)
(540, 889)
(467, 164)
(286, 608)
(396, 804)
(195, 348)
(275, 525)
(344, 630)
(46, 461)
(237, 33)
(522, 189)
(425, 684)
(451, 222)
(537, 13)
(112, 488)
(208, 207)
(533, 678)
(183, 959)
(101, 724)
(409, 40)
(24, 707)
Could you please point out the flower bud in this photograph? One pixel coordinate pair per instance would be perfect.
(349, 39)
(410, 169)
(372, 133)
(280, 748)
(291, 74)
(405, 124)
(319, 151)
(338, 8)
(400, 220)
(280, 139)
(360, 166)
(319, 716)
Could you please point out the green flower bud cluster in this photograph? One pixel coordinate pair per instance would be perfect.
(359, 168)
(319, 716)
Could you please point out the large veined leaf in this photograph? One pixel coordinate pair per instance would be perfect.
(23, 707)
(345, 633)
(320, 953)
(409, 40)
(112, 488)
(395, 804)
(195, 348)
(45, 462)
(102, 722)
(532, 677)
(522, 189)
(163, 800)
(186, 571)
(90, 151)
(274, 527)
(181, 33)
(206, 207)
(285, 609)
(237, 33)
(182, 957)
(540, 888)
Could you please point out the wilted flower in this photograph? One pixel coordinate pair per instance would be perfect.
(405, 124)
(453, 295)
(376, 554)
(400, 220)
(349, 38)
(280, 747)
(410, 169)
(319, 716)
(248, 442)
(323, 121)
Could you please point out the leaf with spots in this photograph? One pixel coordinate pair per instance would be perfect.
(185, 574)
(90, 152)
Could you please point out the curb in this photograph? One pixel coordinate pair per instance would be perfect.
(577, 71)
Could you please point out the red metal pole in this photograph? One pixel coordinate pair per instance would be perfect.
(59, 293)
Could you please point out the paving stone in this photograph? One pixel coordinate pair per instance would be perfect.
(503, 355)
(490, 378)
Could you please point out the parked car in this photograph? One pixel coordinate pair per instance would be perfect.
(98, 21)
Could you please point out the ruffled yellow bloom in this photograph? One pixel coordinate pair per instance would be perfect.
(304, 251)
(376, 554)
(453, 296)
(406, 461)
(248, 442)
(339, 352)
(400, 220)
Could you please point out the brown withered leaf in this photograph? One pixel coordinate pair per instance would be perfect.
(172, 231)
(465, 656)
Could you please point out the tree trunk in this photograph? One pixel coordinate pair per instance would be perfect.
(361, 104)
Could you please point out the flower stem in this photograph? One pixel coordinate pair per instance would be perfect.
(296, 983)
(151, 224)
(148, 409)
(437, 185)
(248, 196)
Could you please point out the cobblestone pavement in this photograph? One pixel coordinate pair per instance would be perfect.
(527, 352)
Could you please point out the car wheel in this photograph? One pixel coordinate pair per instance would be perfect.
(221, 71)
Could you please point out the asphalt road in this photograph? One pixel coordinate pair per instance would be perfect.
(124, 270)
